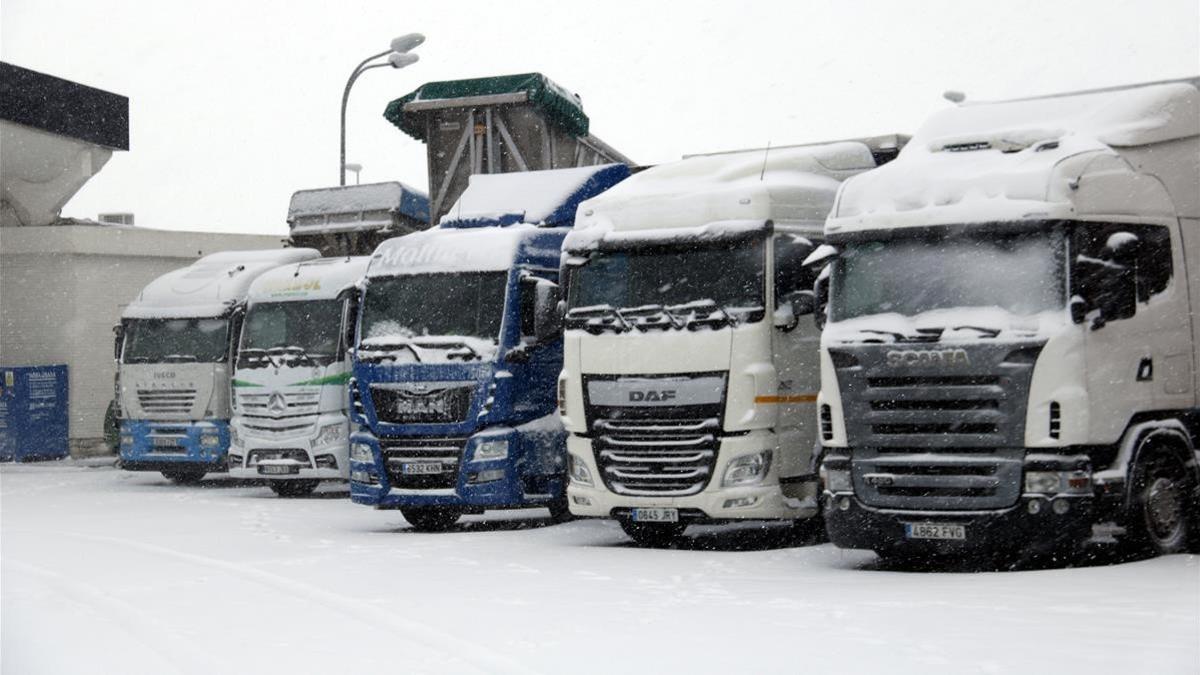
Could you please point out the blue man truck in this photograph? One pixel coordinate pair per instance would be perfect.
(175, 350)
(458, 353)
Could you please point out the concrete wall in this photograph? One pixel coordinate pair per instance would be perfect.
(62, 289)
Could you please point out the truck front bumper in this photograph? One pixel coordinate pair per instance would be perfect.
(768, 500)
(162, 446)
(1051, 521)
(531, 474)
(303, 456)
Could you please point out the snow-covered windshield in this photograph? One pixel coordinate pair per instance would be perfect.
(175, 340)
(686, 281)
(306, 330)
(457, 310)
(1021, 273)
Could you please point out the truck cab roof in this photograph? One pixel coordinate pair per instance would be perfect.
(320, 279)
(210, 286)
(1052, 157)
(702, 195)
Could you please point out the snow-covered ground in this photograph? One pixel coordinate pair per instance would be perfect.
(111, 572)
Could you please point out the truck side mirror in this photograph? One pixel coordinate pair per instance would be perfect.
(821, 299)
(547, 318)
(791, 307)
(352, 299)
(1107, 286)
(118, 341)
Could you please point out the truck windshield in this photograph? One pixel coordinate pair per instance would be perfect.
(286, 332)
(675, 281)
(462, 306)
(175, 340)
(1022, 273)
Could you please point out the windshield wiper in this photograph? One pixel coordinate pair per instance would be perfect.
(649, 317)
(990, 332)
(180, 358)
(454, 349)
(596, 319)
(689, 314)
(385, 347)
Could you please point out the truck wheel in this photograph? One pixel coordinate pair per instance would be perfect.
(559, 511)
(184, 476)
(1157, 522)
(430, 518)
(653, 535)
(293, 488)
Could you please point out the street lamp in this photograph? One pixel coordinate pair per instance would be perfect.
(398, 56)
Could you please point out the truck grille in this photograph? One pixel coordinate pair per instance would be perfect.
(414, 404)
(166, 401)
(656, 457)
(910, 478)
(936, 433)
(279, 404)
(400, 451)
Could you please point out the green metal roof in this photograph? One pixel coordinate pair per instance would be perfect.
(560, 106)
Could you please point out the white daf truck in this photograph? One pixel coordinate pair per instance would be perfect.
(290, 424)
(1011, 348)
(175, 348)
(689, 380)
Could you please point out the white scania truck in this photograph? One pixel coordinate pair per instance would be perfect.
(175, 347)
(689, 380)
(1010, 355)
(290, 424)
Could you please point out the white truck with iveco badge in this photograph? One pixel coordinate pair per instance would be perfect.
(175, 349)
(689, 381)
(290, 425)
(1010, 356)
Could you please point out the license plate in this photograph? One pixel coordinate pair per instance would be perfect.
(649, 515)
(164, 442)
(420, 468)
(278, 469)
(935, 531)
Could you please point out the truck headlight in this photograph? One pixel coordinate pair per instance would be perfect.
(331, 433)
(562, 397)
(362, 452)
(578, 471)
(836, 480)
(748, 469)
(491, 449)
(210, 440)
(1042, 481)
(126, 441)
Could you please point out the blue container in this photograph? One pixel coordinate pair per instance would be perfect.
(33, 413)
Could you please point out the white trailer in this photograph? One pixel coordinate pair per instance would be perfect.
(1011, 353)
(689, 382)
(175, 351)
(290, 424)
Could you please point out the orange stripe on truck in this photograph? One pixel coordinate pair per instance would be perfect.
(802, 398)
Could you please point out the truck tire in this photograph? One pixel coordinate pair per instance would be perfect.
(559, 511)
(1158, 520)
(430, 518)
(293, 488)
(653, 535)
(184, 476)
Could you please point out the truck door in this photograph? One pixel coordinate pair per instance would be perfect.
(796, 354)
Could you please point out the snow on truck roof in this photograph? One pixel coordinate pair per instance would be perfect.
(497, 218)
(211, 285)
(546, 198)
(711, 193)
(1012, 160)
(321, 279)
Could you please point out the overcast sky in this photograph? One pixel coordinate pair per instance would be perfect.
(234, 104)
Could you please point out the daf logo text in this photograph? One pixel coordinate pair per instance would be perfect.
(652, 395)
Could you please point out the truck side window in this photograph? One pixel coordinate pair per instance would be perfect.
(1149, 256)
(790, 275)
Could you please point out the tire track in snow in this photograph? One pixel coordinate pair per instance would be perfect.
(484, 659)
(181, 653)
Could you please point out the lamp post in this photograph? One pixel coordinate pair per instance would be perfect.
(398, 56)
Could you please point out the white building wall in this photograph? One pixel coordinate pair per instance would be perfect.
(62, 289)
